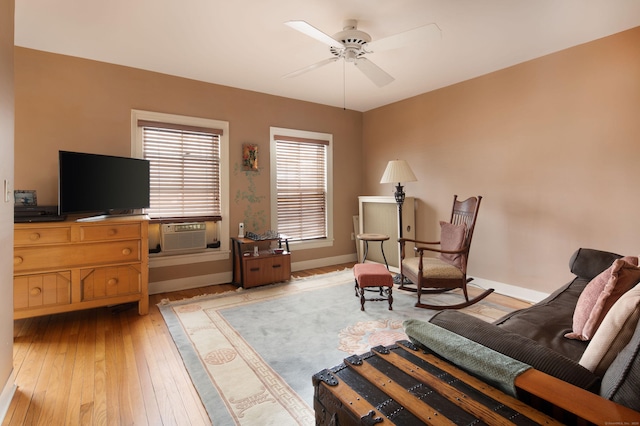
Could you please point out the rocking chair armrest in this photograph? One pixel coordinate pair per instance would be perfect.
(409, 240)
(419, 250)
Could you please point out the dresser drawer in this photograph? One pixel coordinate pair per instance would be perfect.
(41, 290)
(65, 256)
(109, 232)
(98, 283)
(39, 236)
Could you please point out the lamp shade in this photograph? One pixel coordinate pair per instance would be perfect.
(398, 171)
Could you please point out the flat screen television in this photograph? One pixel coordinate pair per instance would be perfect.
(104, 184)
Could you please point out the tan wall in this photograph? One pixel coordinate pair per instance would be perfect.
(552, 144)
(6, 208)
(81, 105)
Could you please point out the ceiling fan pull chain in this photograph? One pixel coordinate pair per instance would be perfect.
(344, 85)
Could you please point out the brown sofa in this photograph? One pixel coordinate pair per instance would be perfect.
(535, 336)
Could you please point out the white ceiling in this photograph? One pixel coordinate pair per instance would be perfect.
(245, 44)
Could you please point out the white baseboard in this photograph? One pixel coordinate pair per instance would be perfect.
(326, 261)
(226, 277)
(521, 293)
(7, 394)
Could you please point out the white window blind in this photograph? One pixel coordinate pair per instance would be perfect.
(302, 187)
(185, 169)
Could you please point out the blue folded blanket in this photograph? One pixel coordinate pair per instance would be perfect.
(493, 367)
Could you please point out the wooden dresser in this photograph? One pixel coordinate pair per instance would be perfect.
(68, 266)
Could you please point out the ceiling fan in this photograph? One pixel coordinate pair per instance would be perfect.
(352, 45)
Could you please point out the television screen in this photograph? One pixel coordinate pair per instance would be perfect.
(90, 183)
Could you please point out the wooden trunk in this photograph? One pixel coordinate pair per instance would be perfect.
(402, 385)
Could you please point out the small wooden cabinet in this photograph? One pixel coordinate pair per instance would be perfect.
(68, 266)
(267, 267)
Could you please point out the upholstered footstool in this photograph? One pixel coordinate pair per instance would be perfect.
(369, 275)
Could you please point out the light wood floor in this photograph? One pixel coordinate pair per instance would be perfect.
(111, 366)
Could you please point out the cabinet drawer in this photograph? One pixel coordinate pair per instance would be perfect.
(264, 270)
(41, 236)
(109, 232)
(41, 290)
(58, 257)
(98, 283)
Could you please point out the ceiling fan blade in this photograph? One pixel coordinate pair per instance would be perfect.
(310, 67)
(375, 73)
(423, 33)
(313, 32)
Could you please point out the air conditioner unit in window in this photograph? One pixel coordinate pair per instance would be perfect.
(183, 237)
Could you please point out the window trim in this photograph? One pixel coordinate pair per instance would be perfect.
(223, 252)
(302, 134)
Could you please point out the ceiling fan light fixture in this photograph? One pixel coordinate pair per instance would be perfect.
(350, 55)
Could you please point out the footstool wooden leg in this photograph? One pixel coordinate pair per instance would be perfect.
(362, 299)
(390, 299)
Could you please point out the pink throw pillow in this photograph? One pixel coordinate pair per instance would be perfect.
(600, 294)
(451, 239)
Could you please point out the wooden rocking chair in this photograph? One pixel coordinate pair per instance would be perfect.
(449, 270)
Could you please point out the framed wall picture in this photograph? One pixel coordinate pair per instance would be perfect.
(25, 198)
(249, 157)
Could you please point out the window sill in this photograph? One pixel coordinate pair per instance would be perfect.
(159, 260)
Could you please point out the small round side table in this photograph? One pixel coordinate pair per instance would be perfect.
(373, 237)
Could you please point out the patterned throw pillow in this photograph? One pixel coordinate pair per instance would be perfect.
(600, 294)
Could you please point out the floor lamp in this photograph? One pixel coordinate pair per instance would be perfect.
(398, 171)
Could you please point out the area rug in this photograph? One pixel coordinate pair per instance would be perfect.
(251, 353)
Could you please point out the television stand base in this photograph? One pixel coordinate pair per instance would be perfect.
(110, 216)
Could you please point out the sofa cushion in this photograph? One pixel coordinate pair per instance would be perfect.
(517, 347)
(600, 294)
(614, 333)
(549, 320)
(452, 239)
(622, 380)
(588, 263)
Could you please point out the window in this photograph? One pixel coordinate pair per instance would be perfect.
(185, 170)
(189, 167)
(301, 186)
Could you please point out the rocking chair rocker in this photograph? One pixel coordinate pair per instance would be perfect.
(448, 271)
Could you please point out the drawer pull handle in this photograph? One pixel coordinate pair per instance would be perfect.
(254, 269)
(35, 291)
(112, 232)
(126, 251)
(277, 266)
(34, 237)
(17, 260)
(112, 281)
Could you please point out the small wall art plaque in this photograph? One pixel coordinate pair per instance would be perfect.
(249, 157)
